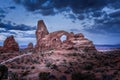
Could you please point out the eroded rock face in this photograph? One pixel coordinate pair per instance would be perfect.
(10, 44)
(46, 40)
(41, 32)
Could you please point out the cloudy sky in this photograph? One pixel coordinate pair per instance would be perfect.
(98, 20)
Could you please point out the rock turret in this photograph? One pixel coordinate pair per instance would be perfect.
(41, 32)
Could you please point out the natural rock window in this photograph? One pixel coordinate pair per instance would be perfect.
(63, 38)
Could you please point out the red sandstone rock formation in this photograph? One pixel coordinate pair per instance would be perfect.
(30, 46)
(40, 32)
(46, 40)
(10, 44)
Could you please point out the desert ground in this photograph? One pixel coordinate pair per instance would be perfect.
(69, 64)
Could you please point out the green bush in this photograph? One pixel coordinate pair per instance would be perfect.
(54, 66)
(44, 75)
(33, 67)
(86, 49)
(88, 65)
(13, 76)
(82, 76)
(48, 64)
(25, 73)
(3, 72)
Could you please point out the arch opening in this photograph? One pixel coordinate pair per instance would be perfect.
(63, 38)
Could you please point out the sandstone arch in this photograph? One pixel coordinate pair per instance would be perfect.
(46, 40)
(63, 38)
(58, 34)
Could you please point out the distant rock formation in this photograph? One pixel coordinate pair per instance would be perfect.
(10, 45)
(30, 46)
(46, 40)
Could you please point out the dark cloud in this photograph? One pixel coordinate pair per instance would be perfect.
(105, 26)
(10, 29)
(109, 23)
(81, 17)
(9, 26)
(2, 16)
(32, 5)
(2, 11)
(115, 14)
(12, 7)
(81, 6)
(71, 16)
(114, 4)
(77, 6)
(45, 12)
(97, 14)
(81, 9)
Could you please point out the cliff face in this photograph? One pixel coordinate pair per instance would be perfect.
(46, 40)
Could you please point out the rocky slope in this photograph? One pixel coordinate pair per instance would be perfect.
(71, 64)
